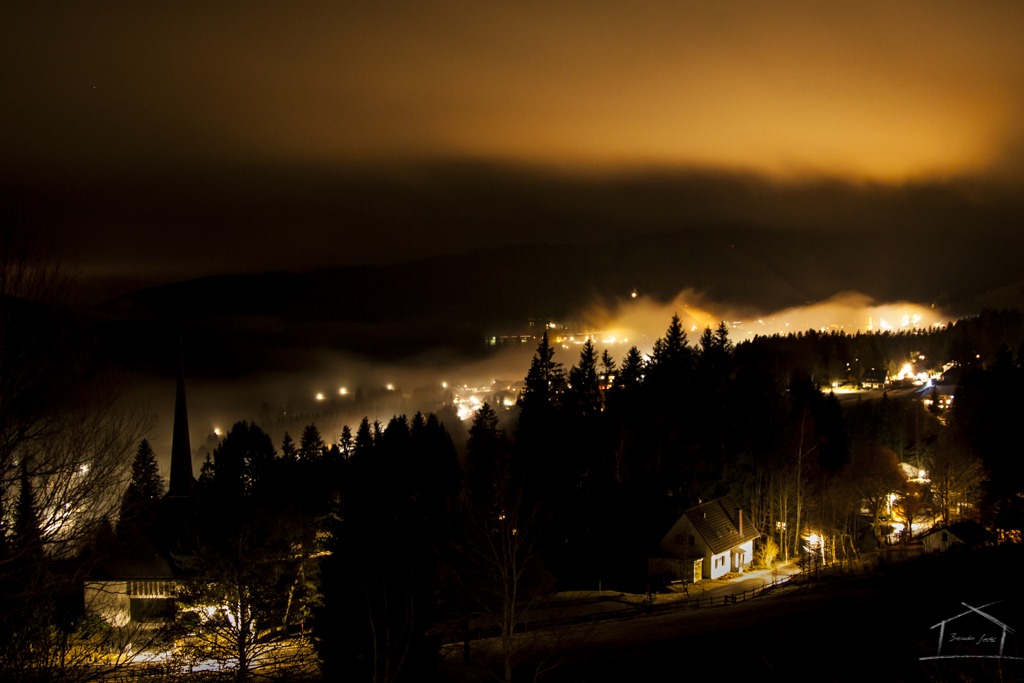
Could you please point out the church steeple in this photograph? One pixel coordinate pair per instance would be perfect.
(182, 482)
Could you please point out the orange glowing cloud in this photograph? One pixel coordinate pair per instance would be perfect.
(874, 90)
(643, 320)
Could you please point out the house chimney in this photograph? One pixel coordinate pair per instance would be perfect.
(739, 515)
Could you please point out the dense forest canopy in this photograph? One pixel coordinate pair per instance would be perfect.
(379, 538)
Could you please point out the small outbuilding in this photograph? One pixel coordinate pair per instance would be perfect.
(967, 533)
(715, 533)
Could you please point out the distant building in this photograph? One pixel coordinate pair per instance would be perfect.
(713, 533)
(874, 379)
(967, 533)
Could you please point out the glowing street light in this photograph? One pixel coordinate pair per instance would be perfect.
(343, 391)
(319, 397)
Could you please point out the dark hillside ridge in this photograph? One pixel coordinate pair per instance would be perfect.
(454, 301)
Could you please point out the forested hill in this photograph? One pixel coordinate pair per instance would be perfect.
(453, 301)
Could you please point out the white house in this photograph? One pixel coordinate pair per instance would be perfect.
(967, 532)
(716, 532)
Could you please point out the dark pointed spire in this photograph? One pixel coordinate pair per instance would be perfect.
(182, 481)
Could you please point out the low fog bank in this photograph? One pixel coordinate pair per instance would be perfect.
(645, 319)
(335, 388)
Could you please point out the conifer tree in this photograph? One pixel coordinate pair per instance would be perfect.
(146, 473)
(206, 473)
(607, 363)
(28, 535)
(722, 338)
(311, 445)
(364, 439)
(486, 450)
(5, 549)
(543, 378)
(633, 369)
(346, 444)
(243, 555)
(242, 460)
(672, 352)
(288, 451)
(144, 491)
(380, 597)
(583, 380)
(706, 342)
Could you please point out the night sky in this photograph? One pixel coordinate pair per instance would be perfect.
(163, 141)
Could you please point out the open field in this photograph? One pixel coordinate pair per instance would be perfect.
(854, 627)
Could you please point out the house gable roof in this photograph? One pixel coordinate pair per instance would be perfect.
(874, 375)
(717, 523)
(968, 531)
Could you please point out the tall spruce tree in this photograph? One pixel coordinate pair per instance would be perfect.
(672, 354)
(346, 443)
(28, 534)
(311, 445)
(543, 379)
(242, 557)
(633, 370)
(140, 499)
(364, 440)
(288, 450)
(607, 363)
(486, 451)
(583, 381)
(380, 597)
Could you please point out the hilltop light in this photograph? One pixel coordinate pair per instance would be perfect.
(216, 431)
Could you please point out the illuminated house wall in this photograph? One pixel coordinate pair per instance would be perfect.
(715, 531)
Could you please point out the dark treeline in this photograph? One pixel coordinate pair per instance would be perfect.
(382, 540)
(393, 537)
